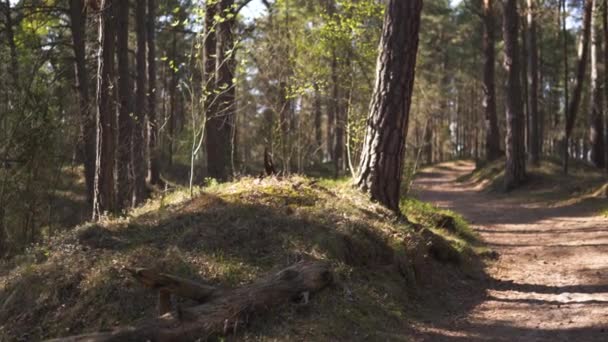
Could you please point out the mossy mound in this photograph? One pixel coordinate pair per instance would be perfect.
(232, 233)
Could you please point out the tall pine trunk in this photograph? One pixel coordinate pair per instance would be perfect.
(154, 163)
(125, 108)
(87, 126)
(533, 87)
(138, 152)
(383, 152)
(220, 121)
(492, 143)
(515, 168)
(104, 195)
(580, 78)
(596, 120)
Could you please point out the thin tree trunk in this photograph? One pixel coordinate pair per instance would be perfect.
(104, 199)
(173, 100)
(10, 35)
(596, 120)
(139, 165)
(492, 144)
(318, 116)
(209, 65)
(384, 148)
(580, 77)
(154, 164)
(515, 169)
(87, 126)
(125, 107)
(533, 116)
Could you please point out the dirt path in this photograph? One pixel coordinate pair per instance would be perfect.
(551, 281)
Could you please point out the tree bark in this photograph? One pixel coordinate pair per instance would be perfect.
(219, 74)
(605, 29)
(10, 35)
(87, 126)
(220, 123)
(138, 152)
(154, 163)
(492, 143)
(125, 107)
(596, 120)
(318, 116)
(515, 168)
(223, 312)
(383, 152)
(533, 87)
(104, 199)
(580, 78)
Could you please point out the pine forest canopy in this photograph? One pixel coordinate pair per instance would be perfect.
(105, 103)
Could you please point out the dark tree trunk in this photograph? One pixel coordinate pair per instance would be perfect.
(580, 78)
(428, 142)
(318, 115)
(154, 164)
(173, 100)
(221, 120)
(533, 116)
(515, 169)
(210, 47)
(383, 152)
(87, 126)
(104, 199)
(284, 120)
(125, 107)
(139, 165)
(566, 67)
(218, 77)
(492, 144)
(596, 120)
(10, 35)
(605, 29)
(337, 94)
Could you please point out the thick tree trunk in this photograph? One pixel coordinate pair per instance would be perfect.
(533, 87)
(105, 199)
(515, 169)
(492, 144)
(138, 156)
(87, 126)
(383, 152)
(221, 122)
(605, 29)
(221, 107)
(596, 120)
(580, 78)
(222, 312)
(125, 106)
(154, 163)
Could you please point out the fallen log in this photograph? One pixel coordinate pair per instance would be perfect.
(168, 284)
(224, 311)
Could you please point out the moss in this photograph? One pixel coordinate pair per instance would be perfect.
(229, 234)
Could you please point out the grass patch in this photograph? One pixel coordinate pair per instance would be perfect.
(229, 234)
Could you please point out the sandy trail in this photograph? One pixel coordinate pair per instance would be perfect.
(551, 281)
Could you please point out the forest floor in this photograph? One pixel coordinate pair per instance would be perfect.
(550, 282)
